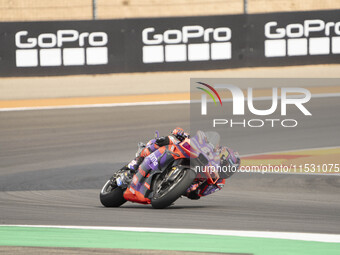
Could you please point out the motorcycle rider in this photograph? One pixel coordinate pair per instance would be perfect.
(177, 135)
(201, 188)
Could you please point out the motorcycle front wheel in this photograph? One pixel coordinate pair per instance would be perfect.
(111, 196)
(165, 193)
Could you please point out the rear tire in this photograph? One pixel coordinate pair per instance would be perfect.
(111, 197)
(175, 192)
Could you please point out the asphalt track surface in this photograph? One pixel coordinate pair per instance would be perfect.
(54, 163)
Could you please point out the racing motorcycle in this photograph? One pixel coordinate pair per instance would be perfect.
(162, 186)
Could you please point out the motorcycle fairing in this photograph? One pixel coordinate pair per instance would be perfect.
(140, 188)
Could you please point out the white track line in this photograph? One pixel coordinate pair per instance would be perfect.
(316, 237)
(94, 105)
(327, 95)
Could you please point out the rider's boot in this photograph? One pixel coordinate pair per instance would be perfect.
(124, 179)
(134, 164)
(125, 176)
(128, 171)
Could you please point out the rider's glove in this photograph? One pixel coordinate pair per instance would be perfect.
(179, 133)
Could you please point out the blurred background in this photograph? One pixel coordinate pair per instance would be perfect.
(31, 10)
(128, 84)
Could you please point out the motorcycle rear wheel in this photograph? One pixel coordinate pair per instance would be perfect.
(111, 196)
(164, 199)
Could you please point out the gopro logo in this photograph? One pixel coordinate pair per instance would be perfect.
(191, 43)
(295, 39)
(63, 48)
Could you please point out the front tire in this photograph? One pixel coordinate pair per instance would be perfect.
(180, 185)
(111, 196)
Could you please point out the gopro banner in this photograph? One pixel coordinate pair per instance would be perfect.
(61, 48)
(297, 38)
(169, 44)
